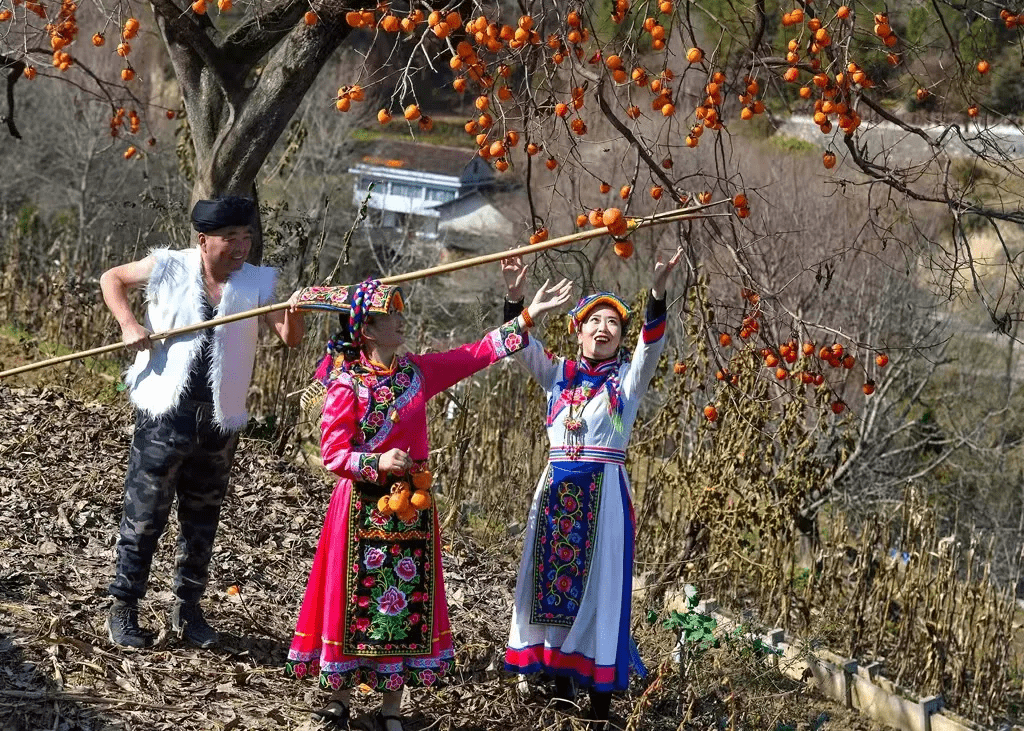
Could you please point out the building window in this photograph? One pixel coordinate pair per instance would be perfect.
(440, 195)
(409, 191)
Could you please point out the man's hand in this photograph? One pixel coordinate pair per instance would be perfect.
(135, 336)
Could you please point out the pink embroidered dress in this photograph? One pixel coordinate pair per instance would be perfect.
(572, 601)
(374, 610)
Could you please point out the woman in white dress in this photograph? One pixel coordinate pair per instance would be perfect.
(572, 604)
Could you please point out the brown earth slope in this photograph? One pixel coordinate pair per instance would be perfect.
(61, 470)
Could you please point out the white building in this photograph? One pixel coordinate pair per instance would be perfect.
(430, 189)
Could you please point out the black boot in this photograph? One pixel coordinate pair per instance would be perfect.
(187, 619)
(600, 709)
(123, 626)
(565, 694)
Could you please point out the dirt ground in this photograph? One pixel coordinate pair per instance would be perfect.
(62, 463)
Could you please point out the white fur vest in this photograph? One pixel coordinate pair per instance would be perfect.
(174, 298)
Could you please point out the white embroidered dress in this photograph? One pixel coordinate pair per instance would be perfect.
(572, 600)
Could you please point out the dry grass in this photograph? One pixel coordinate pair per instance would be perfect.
(61, 470)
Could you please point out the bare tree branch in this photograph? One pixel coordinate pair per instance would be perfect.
(15, 69)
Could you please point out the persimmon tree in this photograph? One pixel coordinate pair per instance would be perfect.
(611, 109)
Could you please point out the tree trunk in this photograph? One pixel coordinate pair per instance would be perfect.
(235, 112)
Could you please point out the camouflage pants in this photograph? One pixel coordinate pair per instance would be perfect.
(179, 454)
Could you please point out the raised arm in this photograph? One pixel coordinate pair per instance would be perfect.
(652, 336)
(442, 370)
(539, 362)
(115, 283)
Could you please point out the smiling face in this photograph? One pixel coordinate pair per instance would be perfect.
(386, 332)
(600, 334)
(225, 250)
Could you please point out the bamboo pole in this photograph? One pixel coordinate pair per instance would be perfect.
(679, 214)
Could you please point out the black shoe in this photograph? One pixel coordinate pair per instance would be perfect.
(335, 714)
(123, 626)
(382, 721)
(187, 619)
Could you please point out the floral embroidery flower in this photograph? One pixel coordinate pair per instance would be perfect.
(565, 525)
(374, 558)
(563, 583)
(369, 581)
(378, 519)
(414, 618)
(513, 342)
(413, 519)
(406, 569)
(570, 503)
(391, 602)
(565, 553)
(384, 395)
(402, 380)
(579, 395)
(396, 549)
(363, 601)
(375, 419)
(394, 682)
(334, 680)
(362, 624)
(299, 669)
(428, 677)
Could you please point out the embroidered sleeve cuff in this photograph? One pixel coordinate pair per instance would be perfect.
(509, 338)
(369, 468)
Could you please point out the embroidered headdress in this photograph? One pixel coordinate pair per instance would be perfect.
(586, 305)
(355, 304)
(375, 297)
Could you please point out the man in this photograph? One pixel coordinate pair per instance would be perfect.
(189, 392)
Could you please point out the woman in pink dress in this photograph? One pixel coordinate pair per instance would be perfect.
(374, 610)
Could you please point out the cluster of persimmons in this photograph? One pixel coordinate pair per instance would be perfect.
(798, 363)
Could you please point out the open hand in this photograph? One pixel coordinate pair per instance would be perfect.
(661, 271)
(550, 297)
(514, 271)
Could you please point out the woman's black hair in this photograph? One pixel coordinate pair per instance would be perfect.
(341, 341)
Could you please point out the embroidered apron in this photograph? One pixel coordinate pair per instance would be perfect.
(566, 527)
(390, 579)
